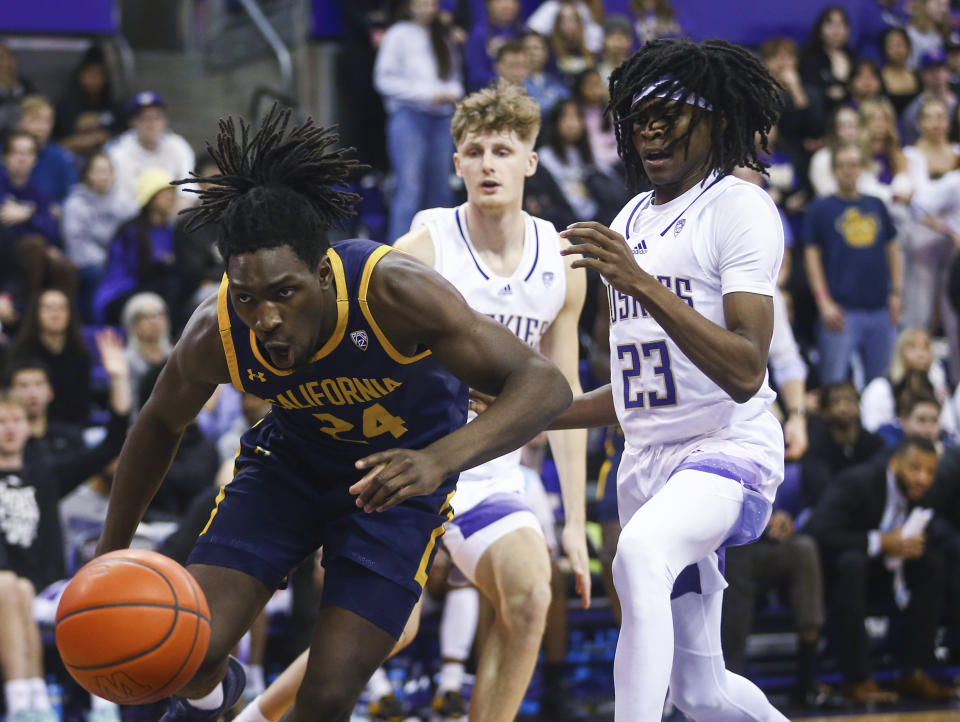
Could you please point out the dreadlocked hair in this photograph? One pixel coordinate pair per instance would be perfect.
(275, 188)
(745, 99)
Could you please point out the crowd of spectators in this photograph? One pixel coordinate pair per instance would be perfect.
(99, 277)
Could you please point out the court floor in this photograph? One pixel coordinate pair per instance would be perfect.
(950, 715)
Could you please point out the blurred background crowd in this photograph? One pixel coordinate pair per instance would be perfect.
(98, 275)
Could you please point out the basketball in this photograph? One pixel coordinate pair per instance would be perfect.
(132, 626)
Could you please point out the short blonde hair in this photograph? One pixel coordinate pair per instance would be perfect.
(498, 108)
(9, 401)
(34, 102)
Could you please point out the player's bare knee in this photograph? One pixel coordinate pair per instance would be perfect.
(327, 700)
(524, 609)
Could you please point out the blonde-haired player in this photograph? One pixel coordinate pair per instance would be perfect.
(507, 264)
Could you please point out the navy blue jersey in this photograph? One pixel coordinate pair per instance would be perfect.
(358, 394)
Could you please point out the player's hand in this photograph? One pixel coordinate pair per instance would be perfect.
(479, 401)
(574, 541)
(795, 437)
(394, 476)
(606, 252)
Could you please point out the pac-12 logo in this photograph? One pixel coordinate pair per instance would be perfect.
(547, 278)
(359, 339)
(679, 227)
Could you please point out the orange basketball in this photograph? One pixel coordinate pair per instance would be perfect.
(133, 626)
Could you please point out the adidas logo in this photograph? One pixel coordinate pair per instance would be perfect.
(640, 248)
(505, 291)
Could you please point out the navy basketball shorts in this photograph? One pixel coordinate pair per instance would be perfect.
(284, 503)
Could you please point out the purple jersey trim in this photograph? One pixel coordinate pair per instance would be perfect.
(728, 467)
(491, 509)
(536, 250)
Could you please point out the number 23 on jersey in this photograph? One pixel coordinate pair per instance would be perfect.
(630, 357)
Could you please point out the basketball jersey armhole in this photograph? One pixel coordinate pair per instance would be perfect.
(368, 267)
(226, 333)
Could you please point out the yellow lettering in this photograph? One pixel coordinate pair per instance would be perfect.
(314, 394)
(377, 420)
(364, 388)
(378, 387)
(293, 400)
(332, 392)
(348, 391)
(337, 426)
(391, 384)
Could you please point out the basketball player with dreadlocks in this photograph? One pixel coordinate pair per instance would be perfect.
(690, 269)
(366, 356)
(507, 264)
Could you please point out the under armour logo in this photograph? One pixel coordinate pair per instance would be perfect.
(640, 248)
(258, 376)
(359, 339)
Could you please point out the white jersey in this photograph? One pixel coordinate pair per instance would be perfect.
(526, 303)
(717, 238)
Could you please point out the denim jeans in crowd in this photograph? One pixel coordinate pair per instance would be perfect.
(421, 154)
(868, 332)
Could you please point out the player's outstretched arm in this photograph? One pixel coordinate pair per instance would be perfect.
(196, 366)
(415, 306)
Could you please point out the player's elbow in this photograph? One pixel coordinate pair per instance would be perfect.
(745, 387)
(557, 394)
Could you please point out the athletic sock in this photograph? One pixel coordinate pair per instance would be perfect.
(451, 677)
(458, 625)
(101, 703)
(39, 699)
(16, 692)
(210, 701)
(379, 685)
